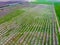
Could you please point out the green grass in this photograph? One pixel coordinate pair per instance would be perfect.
(57, 9)
(42, 2)
(11, 15)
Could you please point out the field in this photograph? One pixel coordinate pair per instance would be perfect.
(34, 24)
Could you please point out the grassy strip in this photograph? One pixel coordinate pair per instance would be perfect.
(11, 15)
(57, 9)
(41, 2)
(58, 35)
(59, 38)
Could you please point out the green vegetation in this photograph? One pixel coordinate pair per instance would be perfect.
(42, 2)
(57, 9)
(11, 15)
